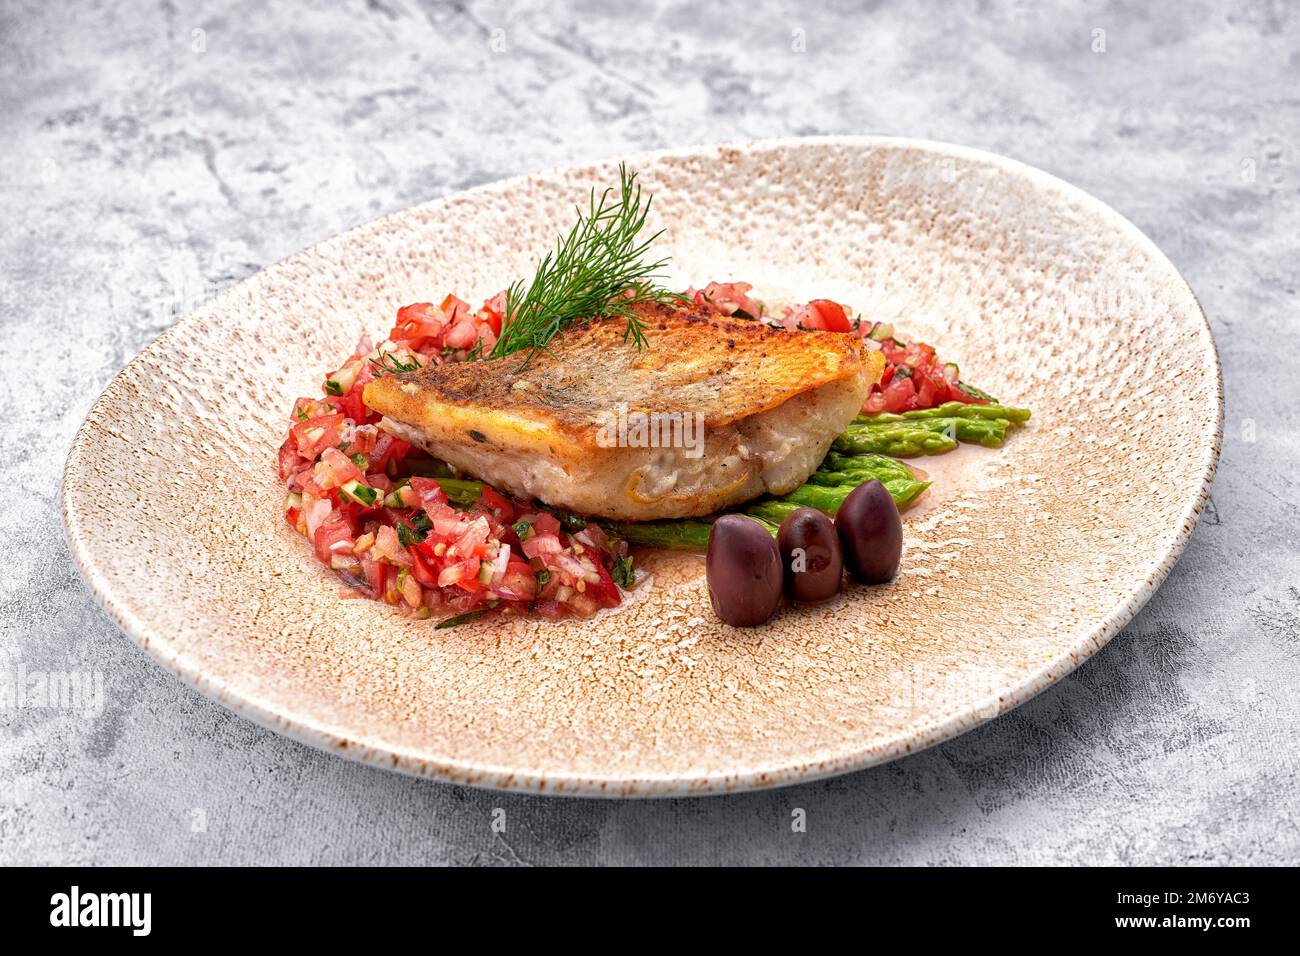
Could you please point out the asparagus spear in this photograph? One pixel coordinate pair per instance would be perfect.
(683, 535)
(835, 479)
(981, 431)
(829, 498)
(950, 410)
(775, 510)
(873, 466)
(904, 490)
(906, 438)
(900, 439)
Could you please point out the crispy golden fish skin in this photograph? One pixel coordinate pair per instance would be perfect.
(712, 412)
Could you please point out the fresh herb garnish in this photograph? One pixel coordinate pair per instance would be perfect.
(622, 572)
(332, 387)
(974, 392)
(543, 577)
(570, 522)
(458, 619)
(408, 535)
(467, 616)
(596, 271)
(353, 578)
(390, 363)
(361, 461)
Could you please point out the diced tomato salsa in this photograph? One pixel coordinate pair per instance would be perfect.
(913, 377)
(373, 514)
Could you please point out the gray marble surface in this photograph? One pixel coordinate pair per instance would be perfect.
(155, 153)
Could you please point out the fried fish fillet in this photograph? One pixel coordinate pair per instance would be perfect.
(712, 412)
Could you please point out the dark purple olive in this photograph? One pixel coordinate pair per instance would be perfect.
(744, 571)
(870, 533)
(810, 554)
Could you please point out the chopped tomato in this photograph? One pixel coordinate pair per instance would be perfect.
(540, 543)
(466, 332)
(605, 592)
(430, 494)
(498, 504)
(316, 434)
(875, 403)
(493, 312)
(305, 408)
(335, 469)
(728, 298)
(351, 404)
(819, 315)
(930, 382)
(377, 575)
(927, 390)
(900, 395)
(420, 568)
(290, 461)
(425, 328)
(420, 325)
(454, 308)
(955, 394)
(333, 537)
(547, 524)
(519, 581)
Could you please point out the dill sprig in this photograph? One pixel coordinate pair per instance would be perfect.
(596, 271)
(388, 362)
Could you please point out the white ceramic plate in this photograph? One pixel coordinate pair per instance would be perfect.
(1020, 563)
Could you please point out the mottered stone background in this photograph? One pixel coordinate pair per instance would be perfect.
(155, 153)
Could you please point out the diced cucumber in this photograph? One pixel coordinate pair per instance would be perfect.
(342, 381)
(361, 494)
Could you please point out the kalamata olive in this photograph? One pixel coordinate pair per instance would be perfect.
(744, 571)
(871, 533)
(810, 554)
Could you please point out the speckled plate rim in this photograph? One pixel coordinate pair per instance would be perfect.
(348, 743)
